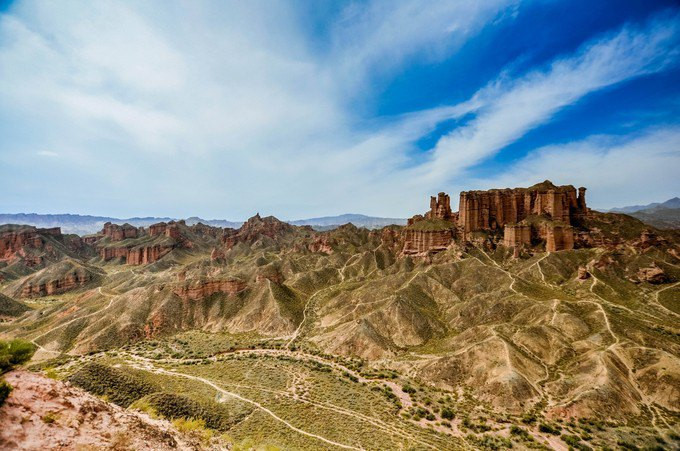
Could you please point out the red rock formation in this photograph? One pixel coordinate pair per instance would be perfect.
(440, 207)
(69, 282)
(217, 255)
(170, 229)
(24, 241)
(140, 255)
(423, 242)
(516, 235)
(256, 228)
(583, 273)
(652, 274)
(558, 237)
(203, 288)
(321, 243)
(490, 210)
(119, 232)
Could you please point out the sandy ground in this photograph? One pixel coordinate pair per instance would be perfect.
(45, 414)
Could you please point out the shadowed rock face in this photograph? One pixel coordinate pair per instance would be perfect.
(14, 240)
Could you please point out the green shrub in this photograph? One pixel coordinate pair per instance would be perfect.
(5, 390)
(519, 432)
(448, 414)
(545, 427)
(173, 407)
(14, 352)
(408, 389)
(118, 386)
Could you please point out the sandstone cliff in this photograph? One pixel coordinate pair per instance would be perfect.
(117, 232)
(200, 289)
(493, 209)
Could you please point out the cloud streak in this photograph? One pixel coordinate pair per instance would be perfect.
(222, 109)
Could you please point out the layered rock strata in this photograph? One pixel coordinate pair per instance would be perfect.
(203, 288)
(69, 282)
(117, 232)
(422, 242)
(14, 241)
(493, 209)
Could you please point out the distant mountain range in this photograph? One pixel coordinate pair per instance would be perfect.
(86, 224)
(664, 215)
(370, 222)
(670, 203)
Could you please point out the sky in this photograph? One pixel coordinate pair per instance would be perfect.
(312, 108)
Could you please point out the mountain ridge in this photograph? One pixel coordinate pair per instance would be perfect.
(89, 224)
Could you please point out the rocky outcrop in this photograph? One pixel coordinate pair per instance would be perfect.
(256, 228)
(117, 232)
(493, 209)
(140, 255)
(201, 289)
(35, 246)
(321, 243)
(217, 255)
(516, 235)
(652, 274)
(170, 229)
(558, 237)
(69, 282)
(423, 242)
(582, 273)
(440, 208)
(15, 240)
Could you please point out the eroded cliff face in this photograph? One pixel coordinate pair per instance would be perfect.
(60, 285)
(493, 209)
(200, 289)
(145, 248)
(257, 228)
(117, 232)
(423, 242)
(15, 241)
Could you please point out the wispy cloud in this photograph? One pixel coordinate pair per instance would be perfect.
(512, 106)
(47, 153)
(620, 170)
(221, 109)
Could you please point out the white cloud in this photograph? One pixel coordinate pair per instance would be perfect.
(222, 109)
(511, 107)
(47, 153)
(617, 170)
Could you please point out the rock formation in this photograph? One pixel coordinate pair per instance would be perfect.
(558, 237)
(423, 242)
(171, 229)
(119, 232)
(69, 282)
(652, 274)
(201, 289)
(15, 239)
(140, 255)
(256, 228)
(493, 209)
(516, 235)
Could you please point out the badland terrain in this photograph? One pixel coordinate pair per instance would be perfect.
(523, 320)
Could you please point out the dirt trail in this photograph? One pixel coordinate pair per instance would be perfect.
(150, 367)
(35, 339)
(404, 397)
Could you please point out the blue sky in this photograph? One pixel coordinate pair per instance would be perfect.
(311, 108)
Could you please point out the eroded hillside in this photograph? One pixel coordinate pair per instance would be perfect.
(431, 335)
